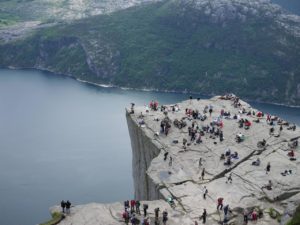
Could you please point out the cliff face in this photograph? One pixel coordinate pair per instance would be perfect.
(144, 150)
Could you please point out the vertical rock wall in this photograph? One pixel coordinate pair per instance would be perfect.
(144, 150)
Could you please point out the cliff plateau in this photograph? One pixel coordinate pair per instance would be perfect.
(156, 178)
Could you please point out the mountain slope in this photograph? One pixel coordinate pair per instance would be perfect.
(251, 48)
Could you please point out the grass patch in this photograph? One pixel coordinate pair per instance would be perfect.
(296, 218)
(274, 214)
(56, 218)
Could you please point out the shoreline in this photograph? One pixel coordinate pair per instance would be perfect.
(140, 89)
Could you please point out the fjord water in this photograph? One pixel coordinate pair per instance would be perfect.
(63, 139)
(290, 5)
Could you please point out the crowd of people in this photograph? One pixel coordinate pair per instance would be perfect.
(132, 214)
(212, 127)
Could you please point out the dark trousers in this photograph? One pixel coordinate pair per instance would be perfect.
(246, 219)
(220, 206)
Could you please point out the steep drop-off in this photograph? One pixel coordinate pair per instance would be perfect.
(144, 150)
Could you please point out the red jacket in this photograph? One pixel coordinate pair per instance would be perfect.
(220, 201)
(132, 202)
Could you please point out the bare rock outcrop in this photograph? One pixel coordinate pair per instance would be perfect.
(169, 166)
(181, 179)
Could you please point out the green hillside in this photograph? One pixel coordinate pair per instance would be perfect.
(170, 46)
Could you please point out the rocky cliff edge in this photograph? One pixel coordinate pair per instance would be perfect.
(156, 178)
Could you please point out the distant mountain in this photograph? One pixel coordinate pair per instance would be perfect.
(60, 10)
(251, 48)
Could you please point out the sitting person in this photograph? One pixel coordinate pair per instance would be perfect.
(227, 152)
(256, 162)
(262, 143)
(286, 172)
(141, 121)
(293, 127)
(256, 121)
(291, 153)
(235, 155)
(247, 124)
(222, 157)
(228, 161)
(268, 186)
(198, 141)
(239, 137)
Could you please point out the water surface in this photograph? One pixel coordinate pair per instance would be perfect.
(63, 139)
(290, 5)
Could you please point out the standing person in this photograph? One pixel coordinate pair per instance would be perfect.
(156, 211)
(196, 223)
(220, 203)
(132, 205)
(203, 173)
(126, 205)
(229, 178)
(145, 207)
(165, 155)
(146, 221)
(68, 206)
(226, 209)
(254, 215)
(246, 216)
(268, 168)
(165, 217)
(210, 111)
(126, 217)
(137, 207)
(205, 191)
(200, 162)
(63, 205)
(133, 219)
(170, 162)
(281, 128)
(203, 217)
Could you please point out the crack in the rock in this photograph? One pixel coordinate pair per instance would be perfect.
(246, 196)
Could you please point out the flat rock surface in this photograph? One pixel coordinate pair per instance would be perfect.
(182, 178)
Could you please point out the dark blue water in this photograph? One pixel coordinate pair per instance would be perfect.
(62, 139)
(290, 5)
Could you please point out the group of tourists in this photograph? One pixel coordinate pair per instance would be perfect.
(214, 130)
(65, 206)
(132, 214)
